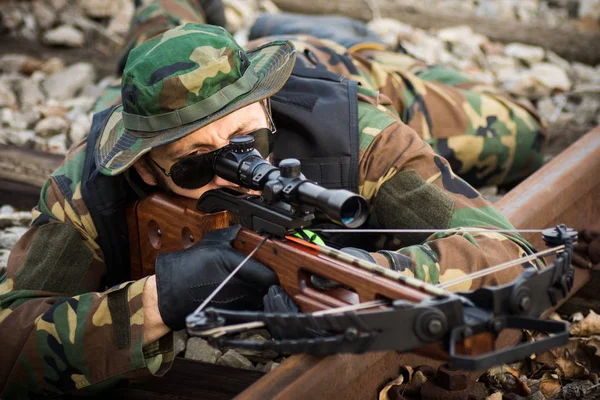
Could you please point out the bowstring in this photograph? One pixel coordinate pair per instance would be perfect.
(231, 275)
(501, 267)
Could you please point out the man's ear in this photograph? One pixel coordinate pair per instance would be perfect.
(143, 169)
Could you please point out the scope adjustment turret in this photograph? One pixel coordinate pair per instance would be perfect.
(242, 144)
(290, 168)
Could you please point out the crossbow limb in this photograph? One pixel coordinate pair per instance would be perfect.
(413, 314)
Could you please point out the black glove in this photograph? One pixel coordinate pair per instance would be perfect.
(398, 262)
(185, 278)
(277, 301)
(323, 283)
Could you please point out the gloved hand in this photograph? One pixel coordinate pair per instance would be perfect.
(277, 301)
(185, 278)
(324, 283)
(396, 261)
(587, 249)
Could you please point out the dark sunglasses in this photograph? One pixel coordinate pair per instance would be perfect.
(195, 171)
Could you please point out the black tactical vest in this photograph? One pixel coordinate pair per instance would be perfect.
(316, 116)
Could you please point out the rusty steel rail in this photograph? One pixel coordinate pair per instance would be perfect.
(566, 190)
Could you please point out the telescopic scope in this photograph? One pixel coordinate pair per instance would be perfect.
(242, 164)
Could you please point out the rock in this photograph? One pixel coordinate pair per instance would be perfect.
(80, 128)
(256, 355)
(7, 96)
(524, 52)
(96, 90)
(78, 105)
(250, 333)
(464, 35)
(56, 144)
(100, 8)
(52, 110)
(500, 63)
(546, 108)
(11, 16)
(10, 236)
(587, 88)
(526, 11)
(119, 24)
(390, 30)
(30, 93)
(8, 209)
(238, 14)
(29, 116)
(64, 35)
(477, 75)
(233, 359)
(199, 349)
(425, 47)
(180, 339)
(53, 65)
(523, 84)
(589, 9)
(21, 218)
(270, 366)
(582, 73)
(44, 15)
(493, 48)
(51, 126)
(13, 119)
(495, 9)
(29, 30)
(536, 396)
(18, 137)
(588, 109)
(554, 58)
(58, 4)
(551, 76)
(11, 63)
(65, 84)
(3, 260)
(31, 66)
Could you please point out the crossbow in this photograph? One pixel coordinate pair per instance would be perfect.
(370, 308)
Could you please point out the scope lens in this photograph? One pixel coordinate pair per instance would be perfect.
(353, 212)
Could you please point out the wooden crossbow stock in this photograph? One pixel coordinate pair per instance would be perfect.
(372, 308)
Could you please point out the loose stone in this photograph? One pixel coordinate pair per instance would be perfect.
(200, 350)
(234, 359)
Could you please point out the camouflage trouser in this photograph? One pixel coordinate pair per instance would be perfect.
(488, 138)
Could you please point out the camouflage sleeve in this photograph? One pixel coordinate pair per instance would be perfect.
(60, 332)
(410, 187)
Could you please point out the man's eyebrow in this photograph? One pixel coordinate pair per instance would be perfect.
(175, 154)
(241, 128)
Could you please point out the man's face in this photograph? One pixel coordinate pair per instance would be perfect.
(211, 137)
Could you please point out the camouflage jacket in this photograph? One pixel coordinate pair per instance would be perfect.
(57, 319)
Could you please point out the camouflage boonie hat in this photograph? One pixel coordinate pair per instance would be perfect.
(182, 80)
